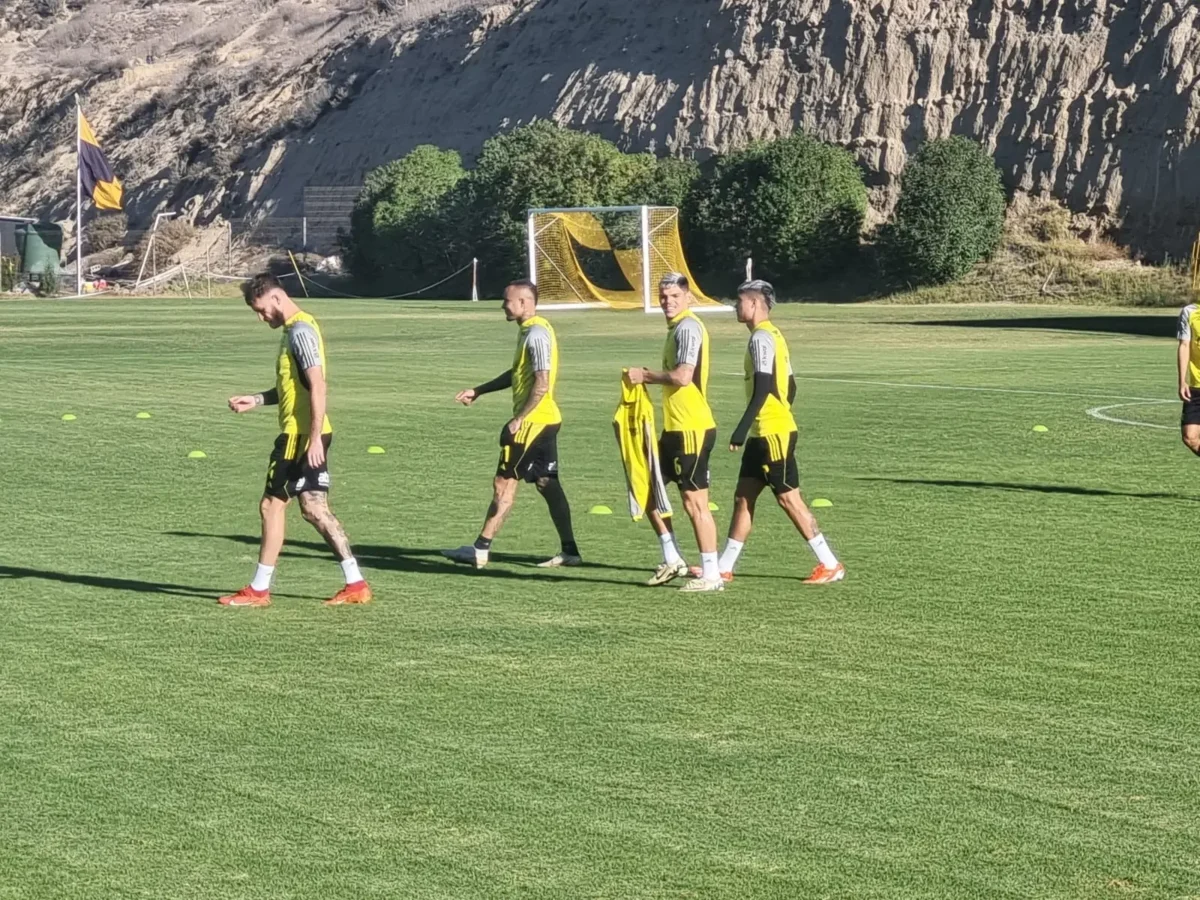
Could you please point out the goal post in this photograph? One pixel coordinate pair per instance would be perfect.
(607, 257)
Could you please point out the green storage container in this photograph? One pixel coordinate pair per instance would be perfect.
(40, 244)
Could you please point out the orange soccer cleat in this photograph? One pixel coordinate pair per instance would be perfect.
(357, 593)
(824, 575)
(247, 596)
(697, 572)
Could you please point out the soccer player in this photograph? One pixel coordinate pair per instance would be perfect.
(768, 432)
(529, 441)
(1189, 375)
(299, 465)
(689, 434)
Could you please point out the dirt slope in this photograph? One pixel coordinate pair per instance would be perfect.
(233, 106)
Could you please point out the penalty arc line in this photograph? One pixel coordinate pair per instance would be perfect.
(1098, 412)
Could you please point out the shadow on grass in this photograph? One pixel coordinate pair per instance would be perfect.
(116, 584)
(424, 560)
(1142, 325)
(1034, 488)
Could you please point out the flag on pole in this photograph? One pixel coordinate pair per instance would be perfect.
(95, 174)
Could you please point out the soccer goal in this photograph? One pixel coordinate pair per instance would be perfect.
(607, 257)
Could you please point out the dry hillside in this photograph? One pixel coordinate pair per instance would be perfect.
(229, 107)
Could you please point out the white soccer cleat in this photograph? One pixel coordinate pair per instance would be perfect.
(702, 585)
(468, 554)
(561, 560)
(668, 572)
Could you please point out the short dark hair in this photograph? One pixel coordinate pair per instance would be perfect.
(763, 288)
(674, 279)
(259, 285)
(528, 285)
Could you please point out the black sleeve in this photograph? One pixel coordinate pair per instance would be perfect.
(499, 383)
(791, 389)
(763, 383)
(271, 397)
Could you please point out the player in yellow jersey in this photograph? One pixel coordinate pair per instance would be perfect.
(529, 441)
(1189, 375)
(299, 465)
(768, 432)
(689, 434)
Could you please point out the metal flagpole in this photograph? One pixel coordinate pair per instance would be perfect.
(78, 202)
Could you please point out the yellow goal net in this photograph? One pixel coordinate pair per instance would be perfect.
(609, 257)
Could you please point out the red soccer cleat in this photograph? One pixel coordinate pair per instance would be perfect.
(351, 594)
(826, 575)
(247, 596)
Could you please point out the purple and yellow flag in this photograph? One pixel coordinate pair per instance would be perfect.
(95, 173)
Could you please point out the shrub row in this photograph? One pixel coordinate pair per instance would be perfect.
(796, 205)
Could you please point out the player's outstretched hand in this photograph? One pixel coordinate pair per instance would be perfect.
(242, 404)
(1185, 393)
(316, 454)
(467, 397)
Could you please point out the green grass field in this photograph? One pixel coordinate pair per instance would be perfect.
(1000, 701)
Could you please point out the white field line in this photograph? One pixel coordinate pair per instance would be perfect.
(986, 390)
(1096, 412)
(1099, 412)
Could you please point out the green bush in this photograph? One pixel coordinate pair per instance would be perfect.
(392, 227)
(8, 272)
(950, 214)
(48, 285)
(540, 165)
(796, 205)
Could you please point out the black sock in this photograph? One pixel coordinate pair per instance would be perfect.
(482, 543)
(570, 549)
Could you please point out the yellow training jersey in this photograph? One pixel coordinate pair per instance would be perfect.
(768, 353)
(537, 351)
(1189, 331)
(301, 347)
(686, 408)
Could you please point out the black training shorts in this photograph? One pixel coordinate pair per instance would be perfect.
(683, 457)
(772, 460)
(288, 473)
(532, 457)
(1191, 409)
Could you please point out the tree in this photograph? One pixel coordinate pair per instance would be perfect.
(949, 216)
(390, 227)
(796, 205)
(539, 165)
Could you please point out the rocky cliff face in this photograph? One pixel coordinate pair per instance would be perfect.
(1093, 101)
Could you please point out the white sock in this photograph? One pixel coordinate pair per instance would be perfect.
(670, 550)
(733, 549)
(350, 570)
(708, 562)
(824, 554)
(262, 577)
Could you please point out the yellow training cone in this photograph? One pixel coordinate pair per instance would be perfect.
(69, 417)
(143, 415)
(821, 503)
(1040, 428)
(376, 450)
(600, 511)
(197, 454)
(713, 507)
